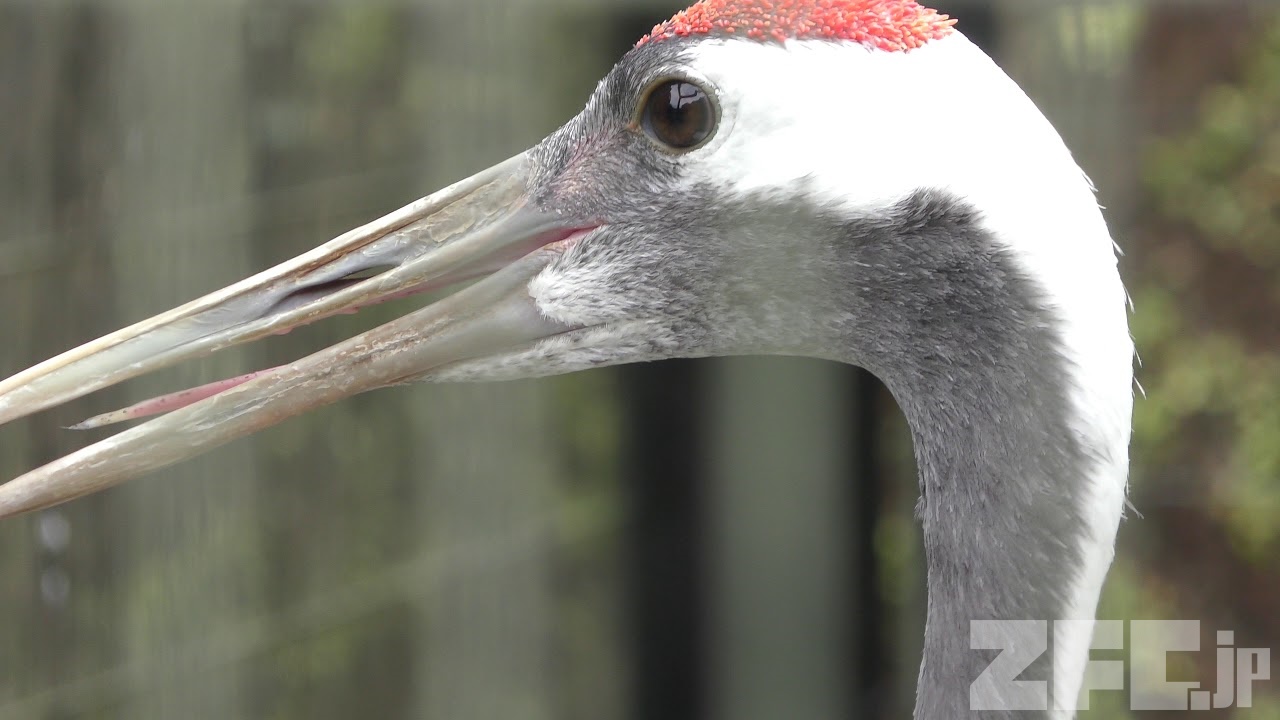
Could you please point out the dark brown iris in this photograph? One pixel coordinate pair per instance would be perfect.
(678, 114)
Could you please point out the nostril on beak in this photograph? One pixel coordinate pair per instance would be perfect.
(312, 292)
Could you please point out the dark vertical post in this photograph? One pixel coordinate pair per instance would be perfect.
(872, 674)
(665, 544)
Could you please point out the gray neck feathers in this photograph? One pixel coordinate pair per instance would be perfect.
(960, 336)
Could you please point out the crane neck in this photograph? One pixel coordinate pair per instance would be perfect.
(1004, 505)
(1020, 434)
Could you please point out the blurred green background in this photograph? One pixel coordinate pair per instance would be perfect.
(729, 539)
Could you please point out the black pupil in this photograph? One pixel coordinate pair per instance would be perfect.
(679, 114)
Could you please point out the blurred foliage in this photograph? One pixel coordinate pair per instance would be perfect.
(1207, 303)
(1097, 36)
(1206, 446)
(351, 45)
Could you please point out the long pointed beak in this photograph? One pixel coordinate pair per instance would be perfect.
(481, 227)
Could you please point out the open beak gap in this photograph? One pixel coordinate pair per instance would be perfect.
(482, 227)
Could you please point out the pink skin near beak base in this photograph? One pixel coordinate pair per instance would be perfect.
(165, 403)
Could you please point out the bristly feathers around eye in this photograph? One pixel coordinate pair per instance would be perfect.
(890, 25)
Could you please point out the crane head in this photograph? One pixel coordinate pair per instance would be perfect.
(755, 176)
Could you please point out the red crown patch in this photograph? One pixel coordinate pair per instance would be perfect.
(891, 25)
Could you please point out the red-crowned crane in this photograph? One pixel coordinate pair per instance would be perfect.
(843, 179)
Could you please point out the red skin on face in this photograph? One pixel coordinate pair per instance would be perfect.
(890, 25)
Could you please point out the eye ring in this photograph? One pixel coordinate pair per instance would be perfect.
(678, 114)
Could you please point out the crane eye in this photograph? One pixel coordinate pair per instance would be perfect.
(678, 114)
